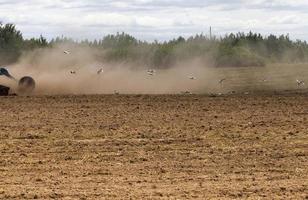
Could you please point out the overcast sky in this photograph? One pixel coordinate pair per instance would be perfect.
(155, 19)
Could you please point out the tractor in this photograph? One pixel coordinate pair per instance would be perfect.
(26, 84)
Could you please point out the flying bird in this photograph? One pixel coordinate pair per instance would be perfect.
(151, 72)
(186, 92)
(300, 82)
(100, 71)
(192, 78)
(73, 72)
(66, 52)
(222, 80)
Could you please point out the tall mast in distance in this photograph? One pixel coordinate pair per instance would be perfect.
(210, 32)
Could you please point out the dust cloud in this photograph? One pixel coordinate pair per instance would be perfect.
(68, 69)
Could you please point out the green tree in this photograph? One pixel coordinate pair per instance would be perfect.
(11, 42)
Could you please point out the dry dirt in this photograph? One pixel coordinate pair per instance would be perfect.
(154, 147)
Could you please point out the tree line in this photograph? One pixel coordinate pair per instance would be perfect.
(231, 50)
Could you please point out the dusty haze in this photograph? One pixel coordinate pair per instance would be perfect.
(51, 68)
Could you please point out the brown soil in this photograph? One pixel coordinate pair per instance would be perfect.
(154, 147)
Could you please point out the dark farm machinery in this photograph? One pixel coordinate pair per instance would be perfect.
(26, 84)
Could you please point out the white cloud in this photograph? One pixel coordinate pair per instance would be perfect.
(155, 19)
(291, 19)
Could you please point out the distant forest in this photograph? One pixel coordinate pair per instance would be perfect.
(240, 49)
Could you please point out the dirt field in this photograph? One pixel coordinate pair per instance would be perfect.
(154, 147)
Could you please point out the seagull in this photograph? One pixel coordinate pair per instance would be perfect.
(222, 80)
(116, 92)
(100, 71)
(186, 92)
(192, 78)
(73, 72)
(300, 82)
(151, 72)
(66, 52)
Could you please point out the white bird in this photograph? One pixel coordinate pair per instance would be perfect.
(300, 82)
(192, 78)
(66, 52)
(116, 92)
(221, 80)
(73, 72)
(186, 92)
(151, 72)
(100, 71)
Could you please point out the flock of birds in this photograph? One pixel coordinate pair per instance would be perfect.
(152, 72)
(67, 52)
(98, 72)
